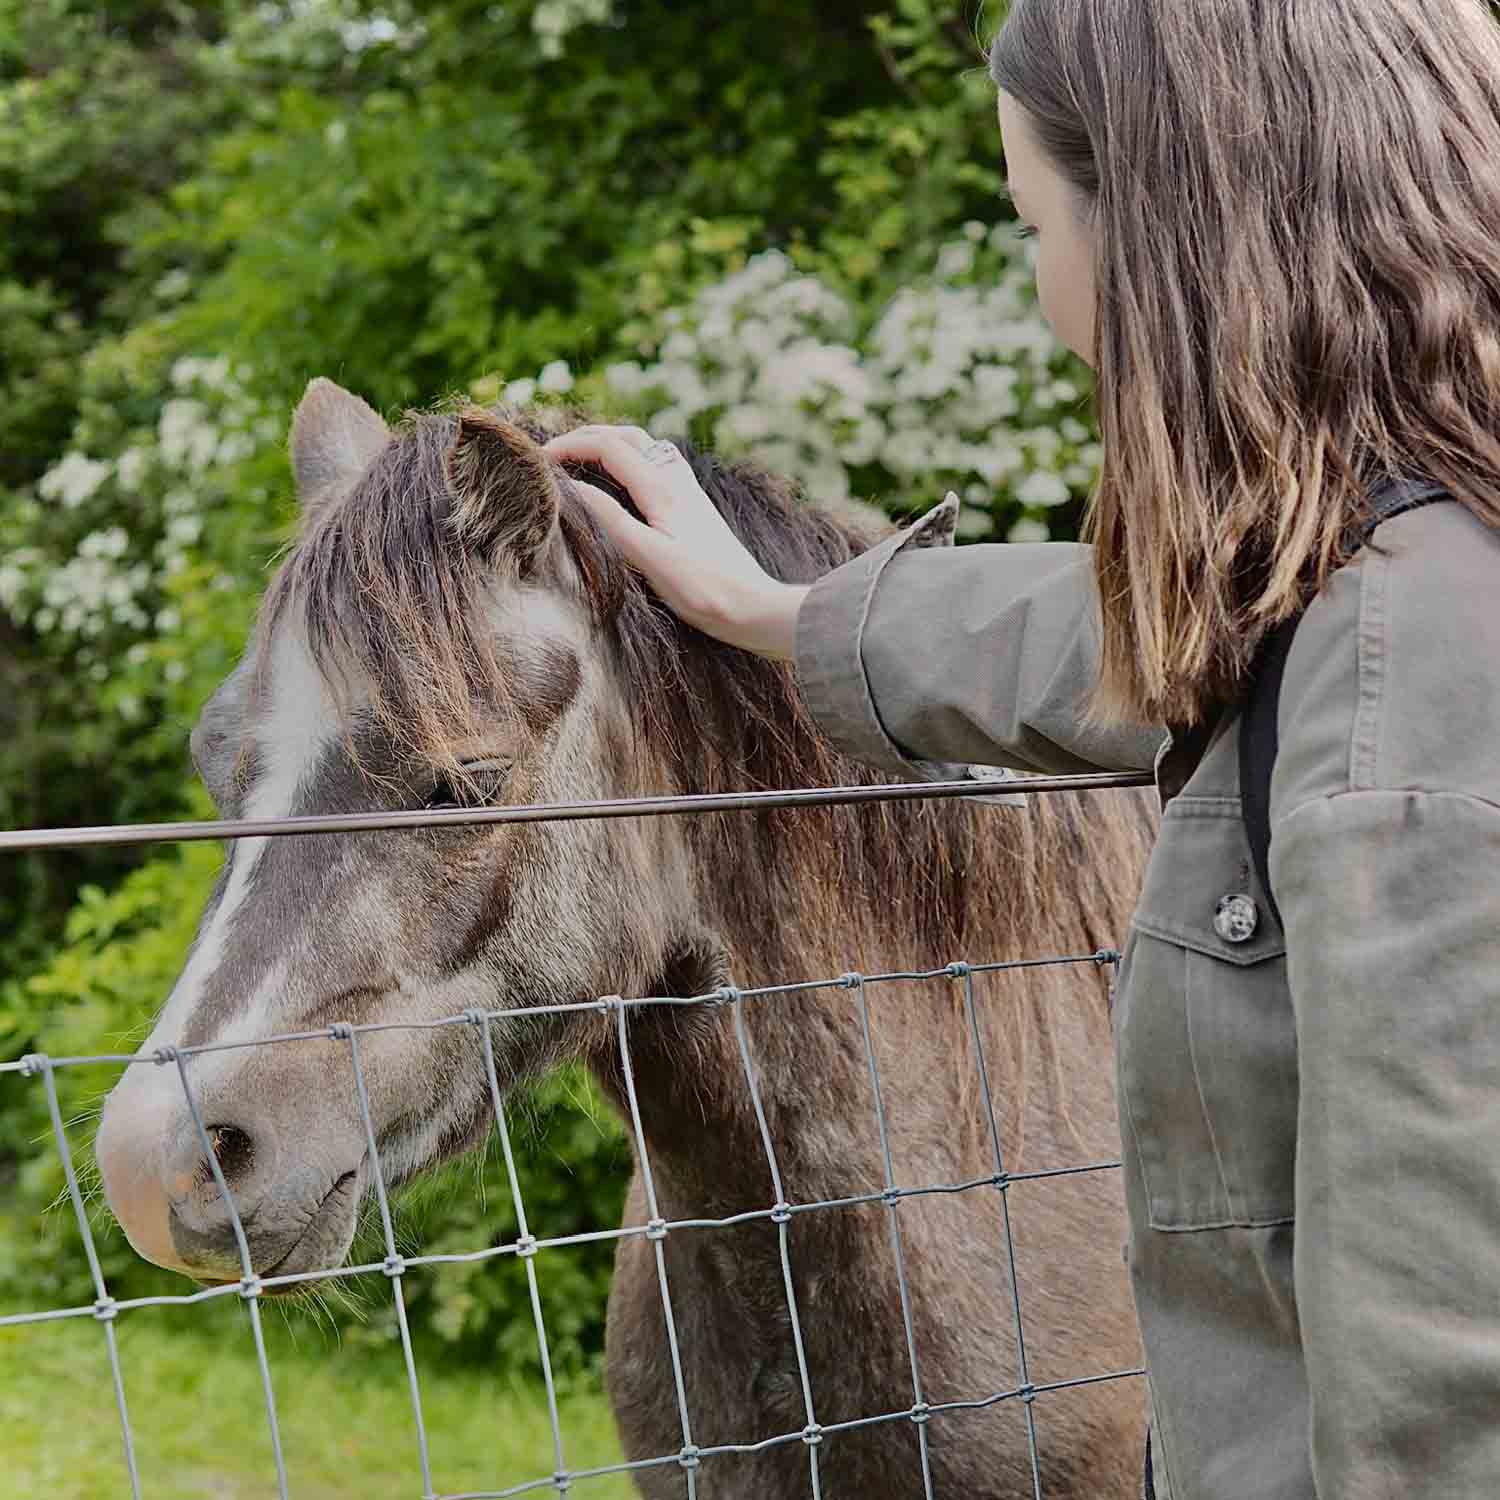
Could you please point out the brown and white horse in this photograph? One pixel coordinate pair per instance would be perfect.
(451, 627)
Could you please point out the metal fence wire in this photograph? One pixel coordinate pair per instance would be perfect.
(689, 1456)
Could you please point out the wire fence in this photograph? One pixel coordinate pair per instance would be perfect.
(689, 1457)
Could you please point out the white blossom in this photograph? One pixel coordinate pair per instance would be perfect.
(234, 447)
(555, 377)
(553, 20)
(1027, 529)
(130, 469)
(174, 284)
(73, 480)
(184, 530)
(188, 440)
(106, 544)
(1042, 488)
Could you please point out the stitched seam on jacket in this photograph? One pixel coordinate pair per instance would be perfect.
(868, 599)
(1208, 1119)
(1160, 1444)
(1364, 745)
(1218, 1225)
(1446, 793)
(1202, 806)
(934, 528)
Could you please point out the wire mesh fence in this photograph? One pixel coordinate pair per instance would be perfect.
(689, 1458)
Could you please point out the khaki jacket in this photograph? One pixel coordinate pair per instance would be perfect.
(1310, 1125)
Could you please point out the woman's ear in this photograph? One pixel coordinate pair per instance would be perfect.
(505, 493)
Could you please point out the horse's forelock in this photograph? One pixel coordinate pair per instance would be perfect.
(387, 594)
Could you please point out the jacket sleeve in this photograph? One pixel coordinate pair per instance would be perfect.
(1392, 906)
(918, 653)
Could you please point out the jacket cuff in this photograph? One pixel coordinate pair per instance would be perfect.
(830, 667)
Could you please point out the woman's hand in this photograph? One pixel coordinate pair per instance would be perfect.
(687, 552)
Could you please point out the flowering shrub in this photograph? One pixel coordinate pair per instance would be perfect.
(955, 383)
(112, 551)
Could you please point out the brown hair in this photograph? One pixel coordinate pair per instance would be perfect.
(1298, 277)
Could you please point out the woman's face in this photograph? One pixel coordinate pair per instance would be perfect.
(1045, 200)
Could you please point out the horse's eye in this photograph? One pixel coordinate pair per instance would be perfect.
(478, 784)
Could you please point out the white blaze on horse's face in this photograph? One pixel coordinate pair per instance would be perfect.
(410, 927)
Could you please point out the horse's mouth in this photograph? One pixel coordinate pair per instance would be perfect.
(321, 1246)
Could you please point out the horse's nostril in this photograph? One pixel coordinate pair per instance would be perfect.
(233, 1148)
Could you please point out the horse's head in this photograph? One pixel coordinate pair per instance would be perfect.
(447, 630)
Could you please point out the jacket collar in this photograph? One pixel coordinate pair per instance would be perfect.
(1182, 750)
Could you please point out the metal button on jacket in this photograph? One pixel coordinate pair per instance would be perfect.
(1236, 918)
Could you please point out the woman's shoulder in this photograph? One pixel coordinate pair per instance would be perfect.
(1393, 680)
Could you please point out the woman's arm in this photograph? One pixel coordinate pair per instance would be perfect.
(915, 656)
(969, 654)
(1392, 907)
(1385, 857)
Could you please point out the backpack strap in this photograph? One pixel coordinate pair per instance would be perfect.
(1258, 737)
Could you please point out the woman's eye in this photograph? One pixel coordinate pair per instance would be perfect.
(1026, 231)
(477, 784)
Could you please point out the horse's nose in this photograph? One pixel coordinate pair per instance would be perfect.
(201, 1221)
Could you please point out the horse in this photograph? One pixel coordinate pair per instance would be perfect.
(450, 627)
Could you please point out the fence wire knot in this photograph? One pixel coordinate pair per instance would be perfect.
(1027, 1393)
(394, 1265)
(851, 980)
(920, 1413)
(163, 1055)
(689, 1456)
(726, 994)
(106, 1309)
(1000, 1180)
(526, 1246)
(607, 1003)
(34, 1063)
(341, 1031)
(891, 1196)
(656, 1229)
(475, 1016)
(1107, 956)
(812, 1434)
(562, 1482)
(250, 1287)
(782, 1213)
(958, 969)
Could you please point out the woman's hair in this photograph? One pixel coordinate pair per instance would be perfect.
(1296, 214)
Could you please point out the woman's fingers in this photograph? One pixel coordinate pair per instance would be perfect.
(656, 474)
(640, 544)
(684, 547)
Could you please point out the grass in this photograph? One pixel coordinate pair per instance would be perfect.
(199, 1422)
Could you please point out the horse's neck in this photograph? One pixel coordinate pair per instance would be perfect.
(800, 1053)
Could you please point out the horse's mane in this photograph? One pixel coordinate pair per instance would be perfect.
(381, 582)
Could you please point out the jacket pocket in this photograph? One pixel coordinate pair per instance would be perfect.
(1206, 1051)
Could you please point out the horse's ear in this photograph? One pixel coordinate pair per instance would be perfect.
(335, 438)
(505, 494)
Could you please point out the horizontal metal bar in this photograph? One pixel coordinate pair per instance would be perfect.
(17, 840)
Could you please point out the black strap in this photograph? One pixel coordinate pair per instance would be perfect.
(1258, 740)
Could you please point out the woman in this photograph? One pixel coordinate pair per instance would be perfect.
(1272, 229)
